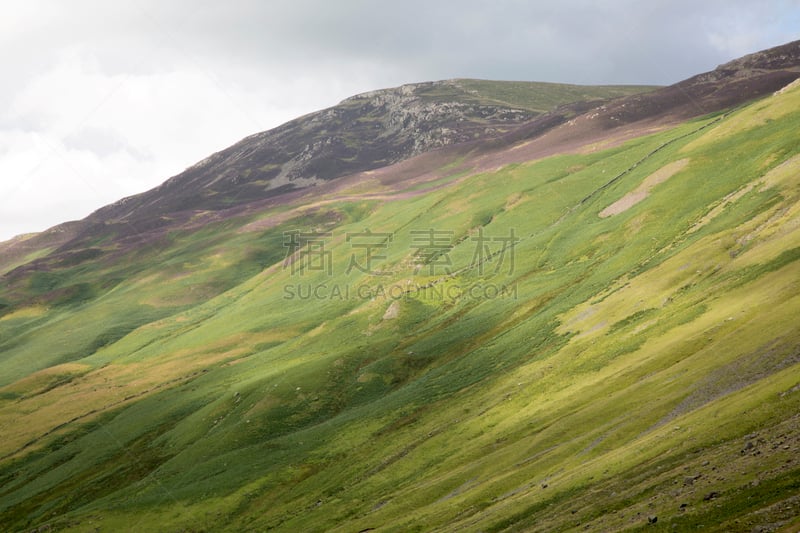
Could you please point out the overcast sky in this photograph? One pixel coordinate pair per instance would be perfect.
(103, 99)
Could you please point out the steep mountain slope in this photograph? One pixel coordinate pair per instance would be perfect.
(364, 132)
(603, 338)
(383, 127)
(457, 117)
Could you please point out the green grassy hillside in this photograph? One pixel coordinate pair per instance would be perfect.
(633, 370)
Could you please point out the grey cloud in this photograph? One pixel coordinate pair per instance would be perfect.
(572, 40)
(659, 41)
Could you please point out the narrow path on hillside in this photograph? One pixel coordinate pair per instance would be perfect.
(631, 168)
(572, 209)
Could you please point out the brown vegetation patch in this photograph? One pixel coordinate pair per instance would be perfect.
(643, 190)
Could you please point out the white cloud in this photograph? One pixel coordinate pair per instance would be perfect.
(77, 138)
